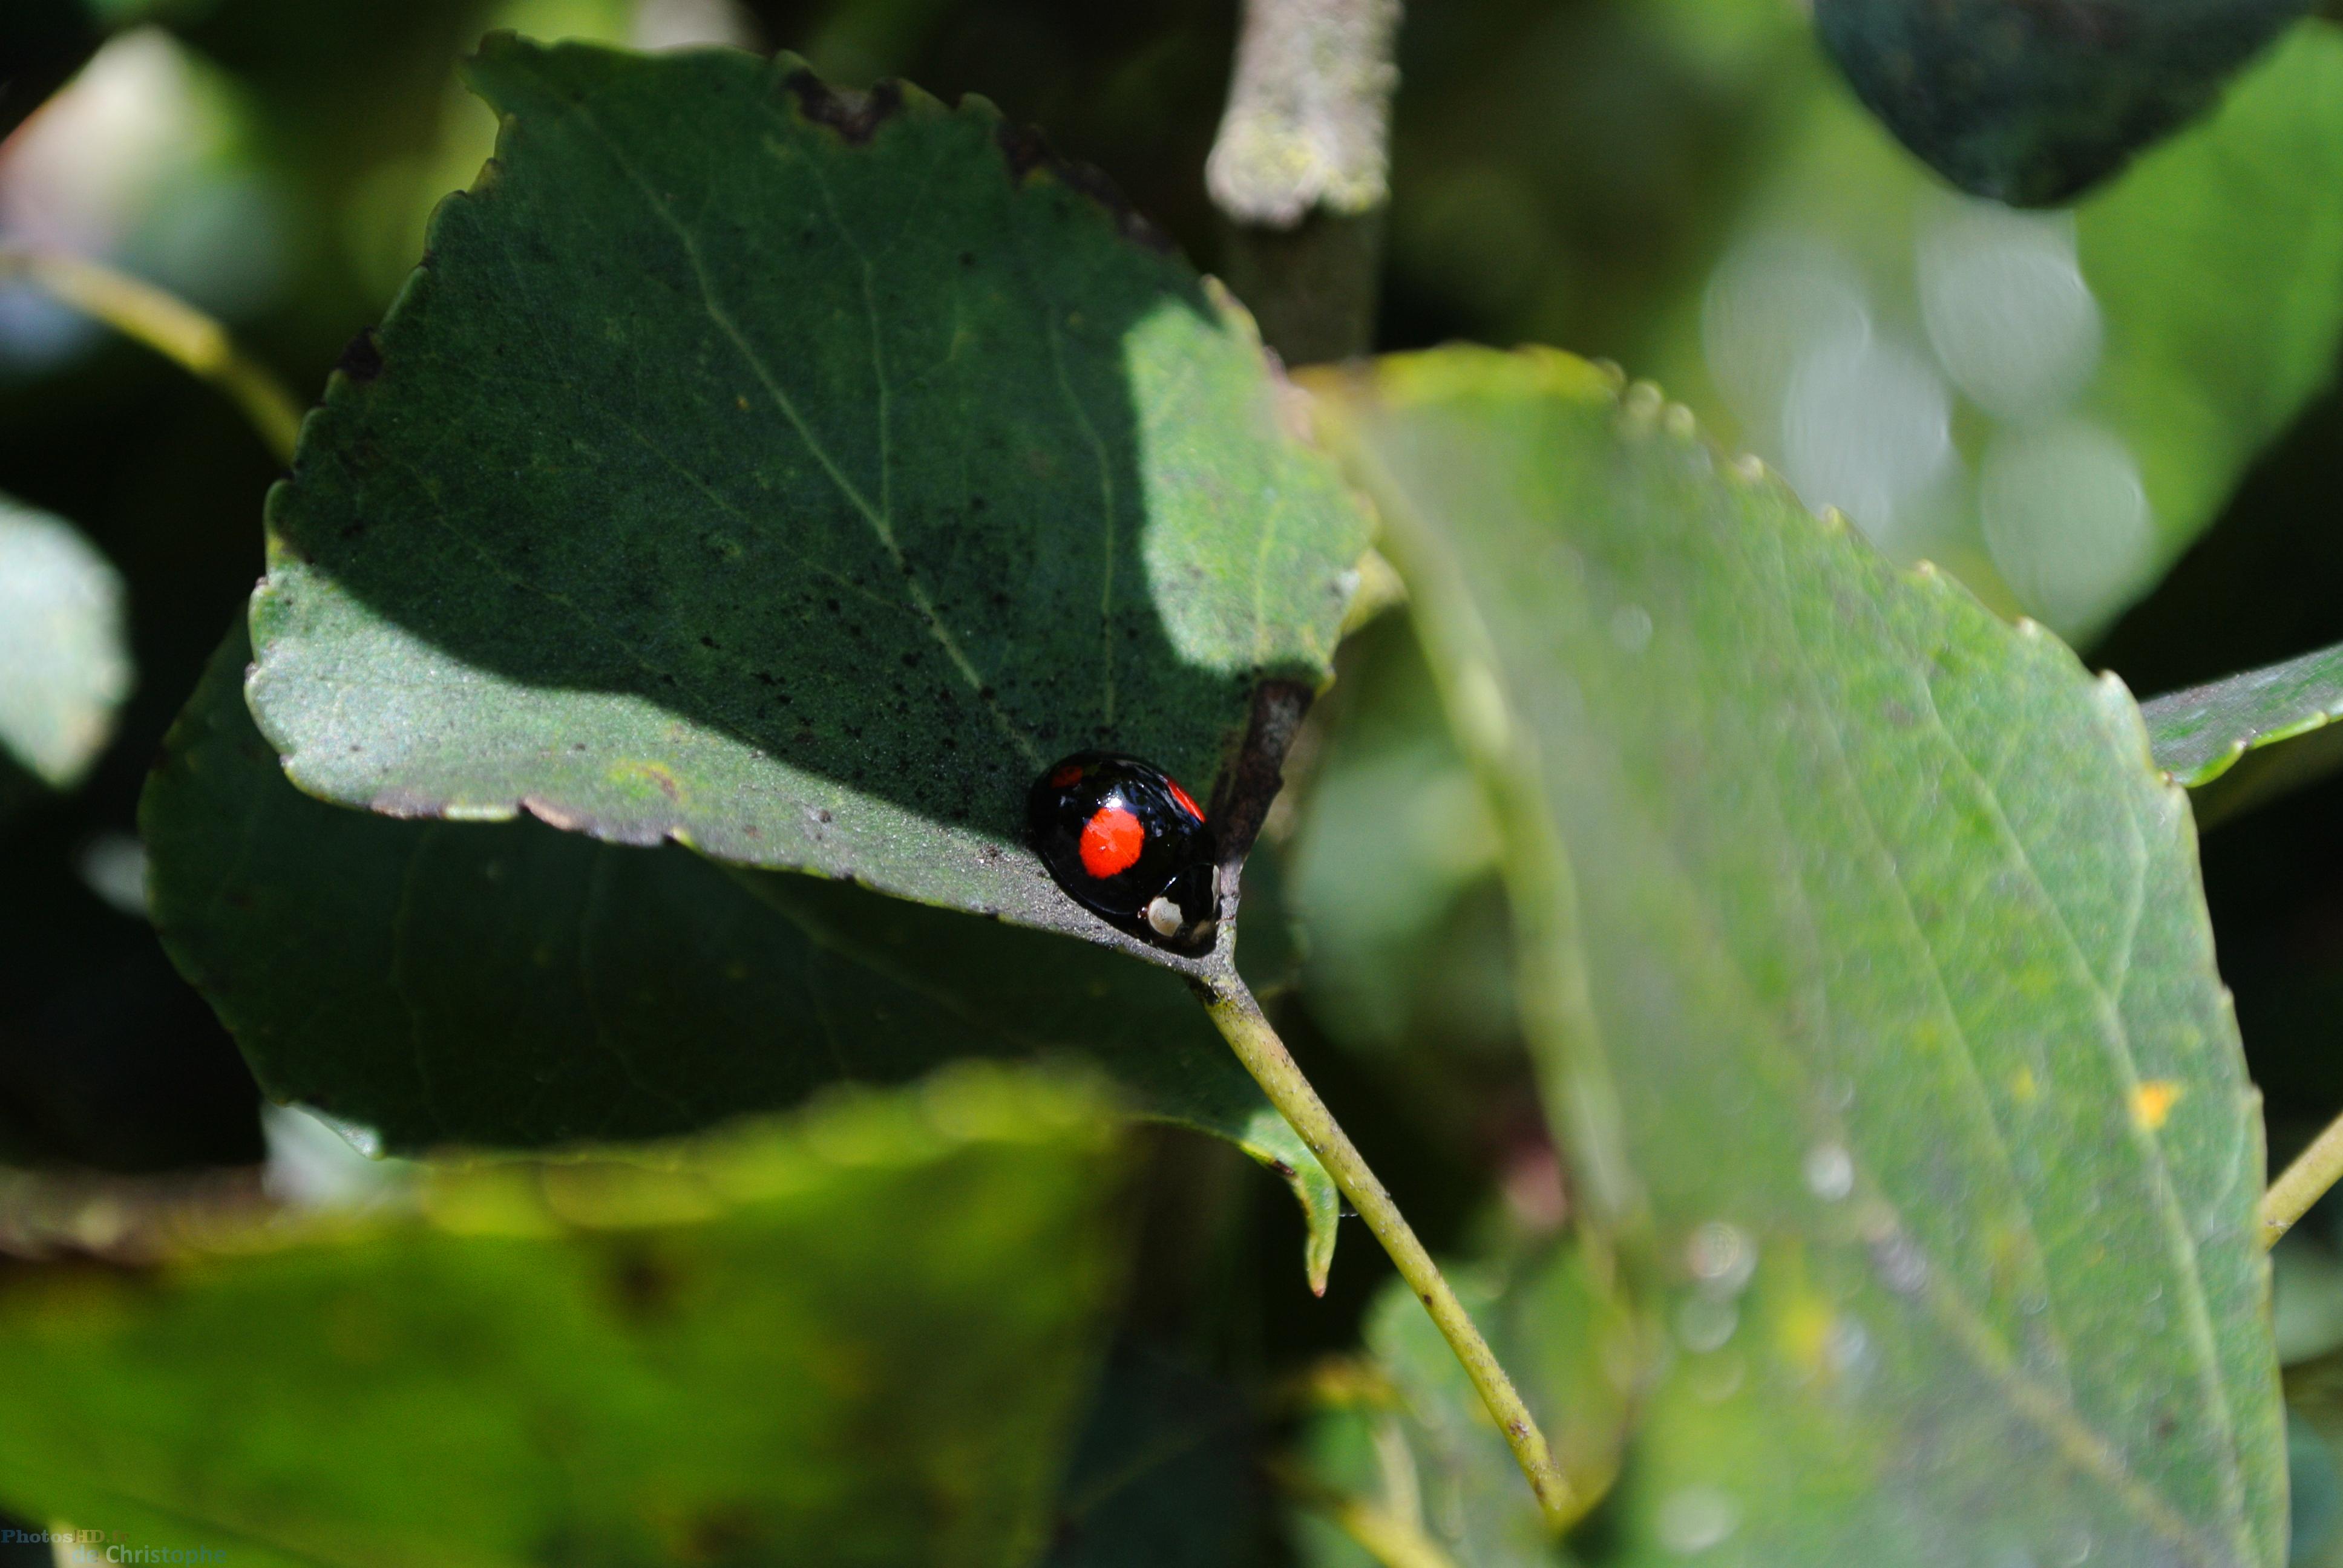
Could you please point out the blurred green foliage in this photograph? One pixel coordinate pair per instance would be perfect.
(2114, 417)
(858, 1337)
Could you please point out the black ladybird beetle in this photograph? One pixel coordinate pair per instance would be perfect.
(1129, 844)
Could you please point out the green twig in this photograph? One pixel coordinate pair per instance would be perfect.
(1264, 1056)
(2303, 1183)
(170, 327)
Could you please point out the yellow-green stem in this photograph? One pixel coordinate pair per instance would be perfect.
(1381, 1534)
(1264, 1056)
(170, 327)
(2303, 1183)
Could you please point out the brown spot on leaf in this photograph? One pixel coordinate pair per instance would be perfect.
(361, 358)
(405, 801)
(1029, 152)
(853, 116)
(643, 1287)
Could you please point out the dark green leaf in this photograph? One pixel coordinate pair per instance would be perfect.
(2036, 104)
(791, 474)
(859, 1339)
(2200, 733)
(1163, 1474)
(1865, 948)
(508, 985)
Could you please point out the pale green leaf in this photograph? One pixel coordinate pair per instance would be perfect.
(1864, 949)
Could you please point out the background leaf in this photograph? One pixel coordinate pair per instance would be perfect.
(2036, 104)
(1407, 1433)
(2054, 405)
(858, 1337)
(503, 984)
(1163, 1474)
(2200, 733)
(1394, 864)
(792, 475)
(1875, 983)
(65, 649)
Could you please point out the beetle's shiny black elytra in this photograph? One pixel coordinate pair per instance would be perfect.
(1129, 844)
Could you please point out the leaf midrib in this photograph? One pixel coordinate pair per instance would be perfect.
(881, 524)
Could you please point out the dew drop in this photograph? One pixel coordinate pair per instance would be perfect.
(1901, 1267)
(1830, 1171)
(1721, 1256)
(1848, 1346)
(1867, 426)
(1696, 1518)
(1715, 1379)
(2007, 311)
(1631, 628)
(2066, 516)
(1705, 1323)
(1773, 300)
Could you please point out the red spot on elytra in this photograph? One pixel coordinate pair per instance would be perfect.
(1071, 774)
(1111, 840)
(1185, 804)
